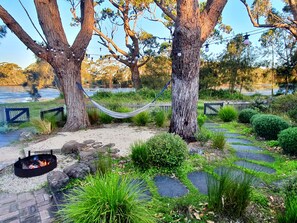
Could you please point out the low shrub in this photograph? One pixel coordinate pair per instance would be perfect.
(166, 150)
(139, 154)
(203, 136)
(230, 194)
(218, 140)
(201, 120)
(268, 126)
(245, 115)
(104, 118)
(42, 126)
(107, 198)
(227, 113)
(284, 103)
(141, 119)
(93, 115)
(103, 164)
(159, 118)
(288, 141)
(293, 115)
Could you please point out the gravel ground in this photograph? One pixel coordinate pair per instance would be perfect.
(10, 183)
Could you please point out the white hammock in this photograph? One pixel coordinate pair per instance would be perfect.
(120, 114)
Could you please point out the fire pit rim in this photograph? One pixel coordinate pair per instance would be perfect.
(20, 172)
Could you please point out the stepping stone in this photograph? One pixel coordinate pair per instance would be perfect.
(232, 135)
(218, 129)
(254, 167)
(238, 174)
(170, 187)
(245, 148)
(238, 140)
(199, 180)
(211, 124)
(255, 156)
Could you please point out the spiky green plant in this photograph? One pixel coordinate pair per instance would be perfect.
(105, 199)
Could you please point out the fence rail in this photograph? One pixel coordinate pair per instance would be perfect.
(57, 112)
(17, 115)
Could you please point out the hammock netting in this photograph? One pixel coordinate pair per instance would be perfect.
(121, 115)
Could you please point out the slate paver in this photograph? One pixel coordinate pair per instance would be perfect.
(199, 180)
(238, 140)
(232, 135)
(237, 174)
(255, 156)
(218, 129)
(254, 167)
(170, 187)
(238, 147)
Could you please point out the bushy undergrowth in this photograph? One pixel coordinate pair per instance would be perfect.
(284, 103)
(163, 150)
(104, 118)
(42, 126)
(218, 140)
(201, 120)
(290, 213)
(107, 198)
(220, 94)
(245, 115)
(93, 115)
(293, 115)
(141, 119)
(268, 126)
(139, 154)
(288, 141)
(123, 110)
(229, 195)
(228, 113)
(159, 117)
(203, 136)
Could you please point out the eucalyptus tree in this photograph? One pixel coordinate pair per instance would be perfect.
(65, 59)
(263, 15)
(136, 47)
(192, 27)
(280, 49)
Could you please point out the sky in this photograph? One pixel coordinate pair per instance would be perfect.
(14, 51)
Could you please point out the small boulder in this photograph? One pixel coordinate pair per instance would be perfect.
(77, 170)
(26, 135)
(89, 141)
(71, 147)
(57, 180)
(86, 156)
(97, 145)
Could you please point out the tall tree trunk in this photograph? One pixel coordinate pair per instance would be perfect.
(185, 72)
(69, 74)
(135, 76)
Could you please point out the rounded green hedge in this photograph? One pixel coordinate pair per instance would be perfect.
(288, 141)
(166, 150)
(268, 126)
(245, 115)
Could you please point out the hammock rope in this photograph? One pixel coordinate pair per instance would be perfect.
(121, 115)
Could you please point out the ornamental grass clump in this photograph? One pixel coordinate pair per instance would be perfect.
(159, 118)
(203, 136)
(230, 194)
(218, 140)
(288, 141)
(166, 150)
(139, 154)
(141, 119)
(105, 199)
(245, 115)
(268, 126)
(227, 113)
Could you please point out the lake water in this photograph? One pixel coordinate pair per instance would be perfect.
(13, 94)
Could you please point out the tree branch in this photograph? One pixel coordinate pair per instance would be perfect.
(165, 10)
(13, 25)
